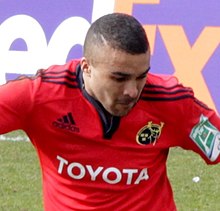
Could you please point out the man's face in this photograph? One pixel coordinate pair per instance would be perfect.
(115, 78)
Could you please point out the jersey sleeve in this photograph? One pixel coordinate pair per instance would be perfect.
(15, 104)
(203, 131)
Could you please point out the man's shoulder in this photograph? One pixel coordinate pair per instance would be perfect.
(56, 82)
(64, 75)
(165, 88)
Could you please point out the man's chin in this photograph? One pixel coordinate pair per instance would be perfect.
(121, 112)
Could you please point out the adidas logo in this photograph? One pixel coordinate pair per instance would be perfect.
(66, 122)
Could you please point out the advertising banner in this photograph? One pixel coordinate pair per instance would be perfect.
(184, 37)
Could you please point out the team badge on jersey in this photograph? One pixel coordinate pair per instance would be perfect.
(207, 137)
(149, 133)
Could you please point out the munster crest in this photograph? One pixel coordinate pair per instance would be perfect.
(149, 133)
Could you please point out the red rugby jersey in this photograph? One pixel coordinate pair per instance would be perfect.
(88, 164)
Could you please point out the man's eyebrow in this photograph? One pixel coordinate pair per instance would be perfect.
(117, 73)
(120, 74)
(145, 72)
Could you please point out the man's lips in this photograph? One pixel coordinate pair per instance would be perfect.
(127, 101)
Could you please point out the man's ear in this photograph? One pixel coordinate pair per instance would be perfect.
(84, 63)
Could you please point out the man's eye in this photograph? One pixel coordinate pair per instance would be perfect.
(142, 77)
(120, 79)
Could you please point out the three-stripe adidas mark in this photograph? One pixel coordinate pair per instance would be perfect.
(66, 122)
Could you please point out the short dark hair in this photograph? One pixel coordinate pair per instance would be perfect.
(119, 31)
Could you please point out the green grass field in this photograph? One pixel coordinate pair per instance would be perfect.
(20, 179)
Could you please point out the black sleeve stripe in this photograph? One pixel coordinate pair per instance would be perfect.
(58, 77)
(203, 105)
(166, 92)
(70, 85)
(167, 98)
(58, 72)
(62, 77)
(153, 92)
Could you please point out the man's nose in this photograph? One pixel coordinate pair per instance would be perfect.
(131, 89)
